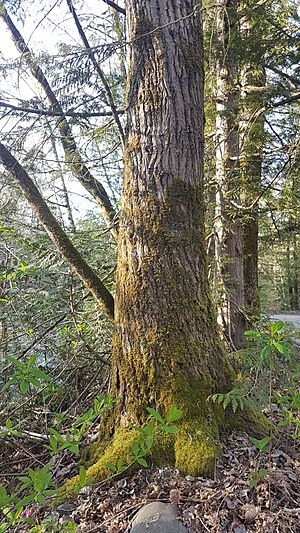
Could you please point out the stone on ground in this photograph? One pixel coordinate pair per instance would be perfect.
(157, 517)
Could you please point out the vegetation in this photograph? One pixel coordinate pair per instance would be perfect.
(142, 251)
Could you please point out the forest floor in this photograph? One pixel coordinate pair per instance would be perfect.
(225, 503)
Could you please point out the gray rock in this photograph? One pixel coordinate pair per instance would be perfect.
(86, 491)
(157, 517)
(65, 508)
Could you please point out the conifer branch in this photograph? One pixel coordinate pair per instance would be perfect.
(72, 155)
(50, 113)
(99, 71)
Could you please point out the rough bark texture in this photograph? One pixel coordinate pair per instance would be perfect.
(166, 346)
(252, 138)
(228, 232)
(55, 231)
(72, 155)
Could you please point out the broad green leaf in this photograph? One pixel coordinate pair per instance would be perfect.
(135, 448)
(142, 461)
(25, 501)
(174, 414)
(74, 448)
(24, 386)
(282, 348)
(111, 467)
(170, 429)
(265, 352)
(39, 374)
(15, 361)
(35, 382)
(57, 435)
(31, 361)
(274, 328)
(4, 497)
(155, 415)
(252, 334)
(261, 444)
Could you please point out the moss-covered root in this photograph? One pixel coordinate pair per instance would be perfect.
(193, 450)
(196, 448)
(118, 448)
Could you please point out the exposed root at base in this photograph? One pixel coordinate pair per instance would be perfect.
(192, 450)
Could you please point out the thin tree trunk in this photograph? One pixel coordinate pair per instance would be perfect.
(251, 152)
(289, 293)
(295, 274)
(63, 182)
(72, 155)
(55, 231)
(228, 245)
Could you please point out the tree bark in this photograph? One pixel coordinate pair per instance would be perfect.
(72, 155)
(55, 231)
(228, 234)
(166, 347)
(252, 138)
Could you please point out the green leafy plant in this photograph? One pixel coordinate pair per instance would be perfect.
(9, 431)
(37, 483)
(141, 448)
(72, 437)
(290, 404)
(273, 341)
(254, 477)
(26, 374)
(263, 444)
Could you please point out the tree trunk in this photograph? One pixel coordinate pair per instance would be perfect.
(252, 139)
(166, 347)
(295, 304)
(228, 246)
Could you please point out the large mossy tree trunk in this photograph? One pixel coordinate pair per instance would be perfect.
(228, 231)
(166, 347)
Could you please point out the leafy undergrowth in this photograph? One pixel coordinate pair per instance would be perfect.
(224, 504)
(256, 482)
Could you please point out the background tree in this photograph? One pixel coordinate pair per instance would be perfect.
(228, 231)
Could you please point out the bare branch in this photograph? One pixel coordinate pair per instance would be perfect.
(115, 6)
(293, 79)
(55, 231)
(99, 71)
(49, 113)
(72, 155)
(286, 101)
